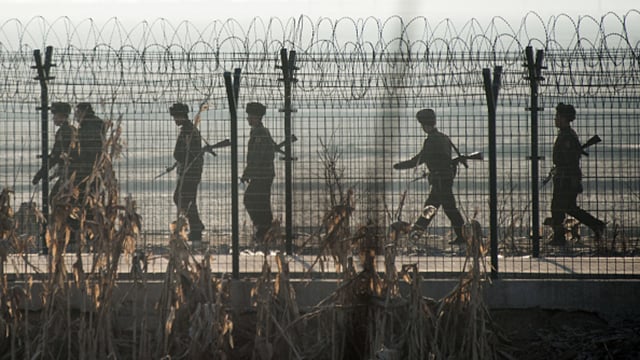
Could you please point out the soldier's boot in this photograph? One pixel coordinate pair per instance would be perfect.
(73, 220)
(261, 231)
(599, 230)
(459, 240)
(422, 223)
(195, 236)
(559, 238)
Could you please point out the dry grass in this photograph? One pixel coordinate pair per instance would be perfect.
(373, 313)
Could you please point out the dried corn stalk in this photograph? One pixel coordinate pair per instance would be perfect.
(463, 323)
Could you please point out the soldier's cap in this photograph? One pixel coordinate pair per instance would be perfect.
(60, 108)
(179, 109)
(426, 117)
(256, 108)
(566, 111)
(86, 107)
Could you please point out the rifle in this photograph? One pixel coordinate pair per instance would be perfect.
(207, 148)
(592, 141)
(462, 159)
(278, 147)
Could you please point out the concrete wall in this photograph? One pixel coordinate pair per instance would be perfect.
(608, 298)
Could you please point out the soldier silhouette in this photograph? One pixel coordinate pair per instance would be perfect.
(567, 178)
(436, 154)
(189, 158)
(64, 148)
(259, 171)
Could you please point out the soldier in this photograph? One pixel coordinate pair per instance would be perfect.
(567, 178)
(63, 148)
(90, 147)
(90, 141)
(259, 171)
(189, 159)
(436, 153)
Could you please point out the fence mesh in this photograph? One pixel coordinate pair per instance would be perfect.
(359, 85)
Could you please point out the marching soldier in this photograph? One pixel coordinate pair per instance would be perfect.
(91, 137)
(188, 154)
(259, 171)
(90, 141)
(567, 178)
(63, 147)
(436, 153)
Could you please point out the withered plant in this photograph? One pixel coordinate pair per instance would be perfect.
(369, 315)
(334, 235)
(464, 328)
(277, 334)
(194, 320)
(78, 315)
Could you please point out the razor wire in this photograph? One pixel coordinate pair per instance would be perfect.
(368, 51)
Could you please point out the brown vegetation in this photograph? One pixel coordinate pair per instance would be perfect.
(366, 317)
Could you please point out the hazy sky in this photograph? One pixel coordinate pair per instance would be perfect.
(203, 11)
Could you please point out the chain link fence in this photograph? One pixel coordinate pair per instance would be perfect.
(358, 85)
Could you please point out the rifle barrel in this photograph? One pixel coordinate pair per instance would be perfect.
(592, 141)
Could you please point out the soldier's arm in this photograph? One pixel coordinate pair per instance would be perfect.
(58, 148)
(38, 176)
(414, 161)
(54, 157)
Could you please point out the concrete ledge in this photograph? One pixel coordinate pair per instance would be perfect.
(608, 298)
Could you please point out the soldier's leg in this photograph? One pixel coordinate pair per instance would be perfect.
(55, 189)
(177, 196)
(263, 213)
(428, 212)
(454, 215)
(596, 225)
(251, 201)
(84, 192)
(558, 209)
(190, 204)
(195, 223)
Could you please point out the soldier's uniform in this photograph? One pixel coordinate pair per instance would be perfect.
(64, 149)
(90, 145)
(436, 154)
(189, 158)
(259, 172)
(567, 180)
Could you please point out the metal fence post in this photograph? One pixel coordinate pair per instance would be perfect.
(233, 89)
(491, 89)
(43, 78)
(288, 67)
(534, 77)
